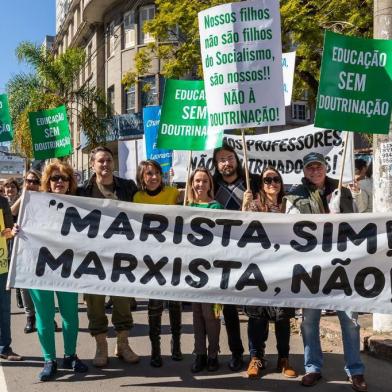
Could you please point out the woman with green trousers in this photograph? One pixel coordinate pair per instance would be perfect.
(58, 177)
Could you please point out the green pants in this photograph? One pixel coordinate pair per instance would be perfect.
(98, 322)
(45, 311)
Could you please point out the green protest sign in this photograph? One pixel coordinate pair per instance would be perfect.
(6, 131)
(184, 123)
(355, 92)
(50, 133)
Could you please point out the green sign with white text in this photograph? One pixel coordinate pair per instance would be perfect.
(50, 133)
(184, 121)
(355, 92)
(6, 131)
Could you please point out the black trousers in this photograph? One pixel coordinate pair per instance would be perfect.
(232, 323)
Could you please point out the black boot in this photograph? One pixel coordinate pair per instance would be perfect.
(212, 364)
(19, 300)
(199, 364)
(155, 338)
(30, 324)
(175, 326)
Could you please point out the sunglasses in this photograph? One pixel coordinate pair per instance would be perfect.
(58, 178)
(269, 180)
(34, 182)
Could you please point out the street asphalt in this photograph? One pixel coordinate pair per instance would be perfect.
(173, 376)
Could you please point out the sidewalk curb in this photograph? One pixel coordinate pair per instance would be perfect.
(379, 346)
(376, 345)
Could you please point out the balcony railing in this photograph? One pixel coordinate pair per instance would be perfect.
(120, 127)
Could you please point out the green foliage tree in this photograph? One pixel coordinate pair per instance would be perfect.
(303, 25)
(177, 41)
(53, 83)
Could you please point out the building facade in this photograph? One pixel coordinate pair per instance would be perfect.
(111, 32)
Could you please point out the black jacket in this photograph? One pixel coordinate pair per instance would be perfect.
(124, 189)
(8, 219)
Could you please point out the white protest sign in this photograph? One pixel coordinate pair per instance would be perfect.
(284, 150)
(242, 64)
(130, 153)
(101, 246)
(288, 65)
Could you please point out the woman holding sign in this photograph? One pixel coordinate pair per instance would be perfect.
(153, 191)
(58, 177)
(6, 223)
(206, 320)
(269, 199)
(31, 183)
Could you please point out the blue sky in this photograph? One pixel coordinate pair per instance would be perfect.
(22, 20)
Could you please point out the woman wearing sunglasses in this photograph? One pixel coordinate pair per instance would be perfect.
(31, 183)
(269, 199)
(58, 177)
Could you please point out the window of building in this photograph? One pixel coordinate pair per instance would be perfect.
(89, 54)
(110, 97)
(110, 38)
(174, 33)
(129, 30)
(130, 99)
(299, 111)
(71, 32)
(145, 14)
(149, 91)
(162, 82)
(77, 17)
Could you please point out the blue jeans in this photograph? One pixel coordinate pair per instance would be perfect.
(5, 315)
(313, 355)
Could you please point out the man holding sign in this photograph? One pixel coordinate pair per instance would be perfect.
(229, 185)
(313, 196)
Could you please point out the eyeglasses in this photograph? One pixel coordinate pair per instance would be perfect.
(269, 180)
(229, 158)
(58, 178)
(33, 182)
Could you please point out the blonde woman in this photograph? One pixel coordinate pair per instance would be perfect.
(206, 321)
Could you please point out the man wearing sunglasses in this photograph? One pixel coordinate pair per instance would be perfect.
(313, 197)
(229, 188)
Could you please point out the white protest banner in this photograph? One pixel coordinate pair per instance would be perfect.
(101, 246)
(284, 150)
(242, 63)
(288, 65)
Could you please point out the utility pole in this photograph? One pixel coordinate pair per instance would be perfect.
(382, 174)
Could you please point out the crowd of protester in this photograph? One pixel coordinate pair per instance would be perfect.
(225, 189)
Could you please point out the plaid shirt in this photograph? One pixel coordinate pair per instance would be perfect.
(230, 195)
